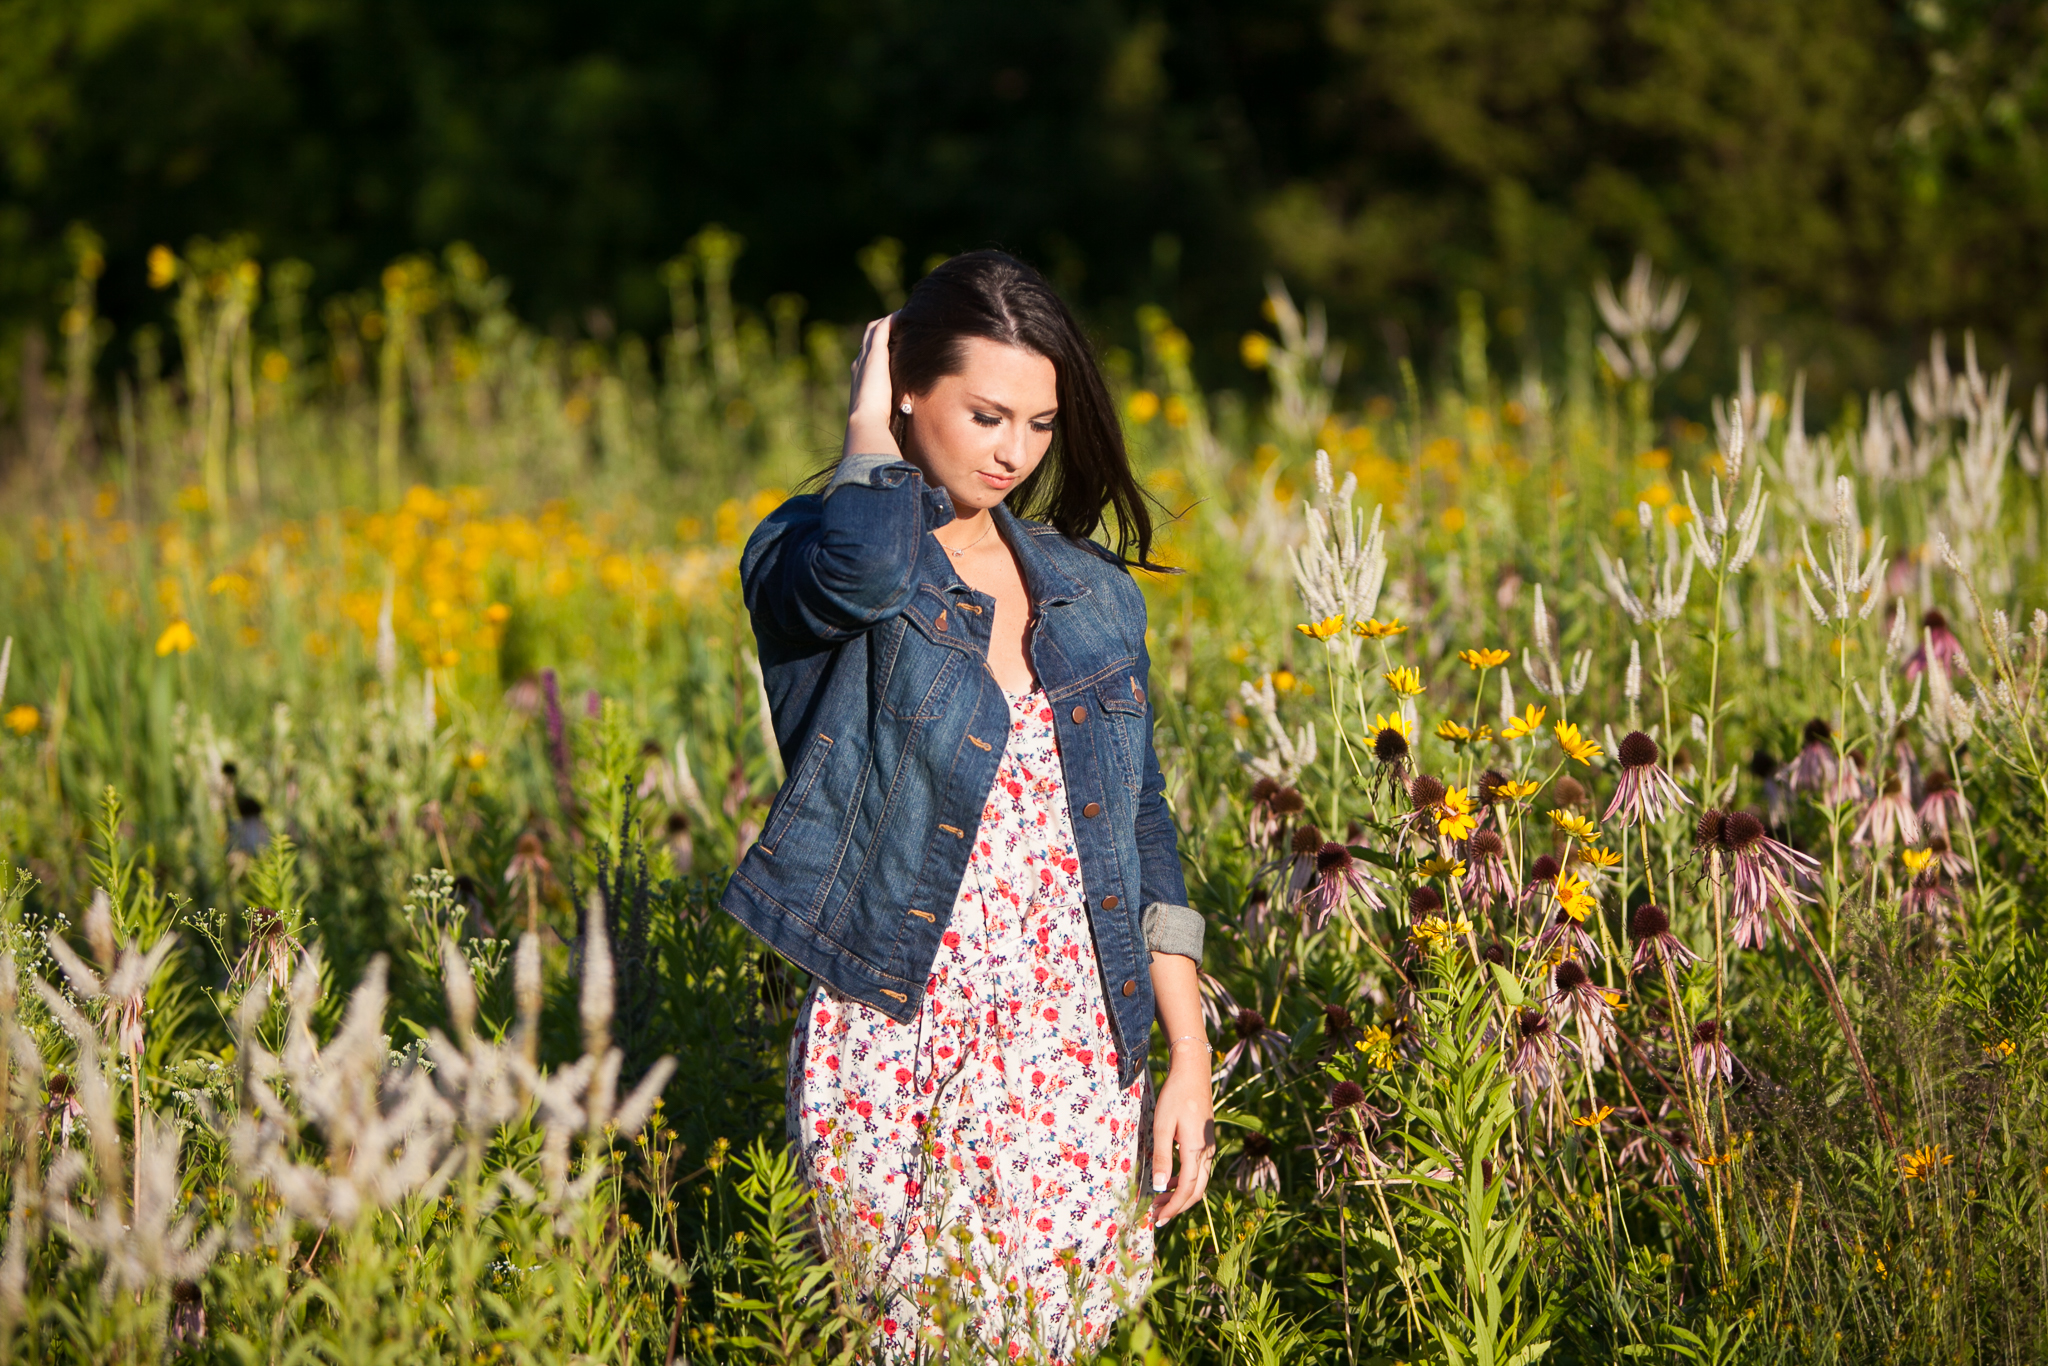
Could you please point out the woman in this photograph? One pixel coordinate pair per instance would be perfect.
(972, 854)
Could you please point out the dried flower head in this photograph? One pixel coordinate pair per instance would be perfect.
(1650, 928)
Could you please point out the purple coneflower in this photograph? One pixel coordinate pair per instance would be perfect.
(1488, 788)
(1765, 768)
(1646, 792)
(1952, 863)
(1814, 769)
(1710, 1053)
(1258, 1044)
(1338, 875)
(1543, 871)
(1425, 796)
(1589, 1005)
(1273, 807)
(188, 1313)
(271, 951)
(1303, 850)
(1218, 1005)
(1486, 869)
(1759, 868)
(1650, 928)
(1534, 1046)
(1889, 819)
(1254, 1169)
(64, 1109)
(1257, 906)
(1941, 801)
(1935, 635)
(1848, 784)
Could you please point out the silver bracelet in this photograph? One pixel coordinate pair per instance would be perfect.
(1188, 1038)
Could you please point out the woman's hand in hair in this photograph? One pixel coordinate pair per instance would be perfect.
(868, 411)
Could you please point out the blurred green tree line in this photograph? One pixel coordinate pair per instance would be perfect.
(1835, 175)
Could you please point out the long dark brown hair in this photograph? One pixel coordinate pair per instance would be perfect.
(1085, 479)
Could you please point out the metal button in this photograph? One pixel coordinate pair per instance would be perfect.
(1130, 988)
(1092, 810)
(1110, 903)
(1080, 715)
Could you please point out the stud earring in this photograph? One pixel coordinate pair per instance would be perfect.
(904, 407)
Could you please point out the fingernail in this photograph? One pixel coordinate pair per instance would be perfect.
(1159, 1185)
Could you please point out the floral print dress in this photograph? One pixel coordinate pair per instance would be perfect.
(980, 1164)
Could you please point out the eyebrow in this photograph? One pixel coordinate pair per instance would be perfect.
(1005, 409)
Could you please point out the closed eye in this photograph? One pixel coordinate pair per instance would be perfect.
(1041, 426)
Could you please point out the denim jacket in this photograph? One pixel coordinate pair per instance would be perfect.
(874, 654)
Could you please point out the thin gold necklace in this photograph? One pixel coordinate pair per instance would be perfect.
(973, 543)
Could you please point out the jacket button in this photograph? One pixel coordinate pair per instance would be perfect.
(1130, 988)
(1092, 810)
(1110, 903)
(1080, 715)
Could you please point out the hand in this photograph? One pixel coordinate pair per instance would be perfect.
(1183, 1118)
(868, 410)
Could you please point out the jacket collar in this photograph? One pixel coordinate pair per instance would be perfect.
(1048, 583)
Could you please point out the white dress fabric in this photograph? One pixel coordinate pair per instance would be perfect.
(980, 1164)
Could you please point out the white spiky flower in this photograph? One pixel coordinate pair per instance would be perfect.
(1644, 336)
(1669, 584)
(1341, 565)
(1848, 588)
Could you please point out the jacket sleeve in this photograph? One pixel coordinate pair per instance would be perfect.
(1170, 925)
(835, 568)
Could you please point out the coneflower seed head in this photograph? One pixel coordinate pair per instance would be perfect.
(1264, 790)
(1707, 1031)
(1742, 830)
(1288, 802)
(1346, 1094)
(1486, 844)
(1424, 790)
(1706, 831)
(1647, 921)
(1336, 1019)
(1569, 975)
(1250, 1024)
(1531, 1023)
(1332, 859)
(1425, 901)
(1568, 791)
(1389, 746)
(1494, 953)
(1636, 750)
(1818, 732)
(1544, 868)
(1308, 841)
(1490, 784)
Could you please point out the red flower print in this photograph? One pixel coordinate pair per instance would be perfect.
(902, 1076)
(1052, 1014)
(984, 1161)
(1086, 1057)
(1038, 1078)
(951, 939)
(1044, 1224)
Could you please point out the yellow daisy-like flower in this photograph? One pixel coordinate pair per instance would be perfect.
(1283, 680)
(24, 719)
(1615, 1000)
(1375, 629)
(1440, 867)
(177, 638)
(1998, 1052)
(1518, 791)
(1595, 855)
(1406, 681)
(1594, 1119)
(1575, 825)
(1917, 861)
(1921, 1163)
(1572, 897)
(1393, 721)
(1436, 932)
(1575, 744)
(1483, 659)
(1718, 1159)
(1378, 1047)
(1528, 723)
(1452, 731)
(1326, 629)
(1457, 820)
(163, 267)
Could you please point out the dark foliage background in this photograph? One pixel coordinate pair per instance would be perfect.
(1836, 176)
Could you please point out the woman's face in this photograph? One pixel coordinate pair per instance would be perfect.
(980, 433)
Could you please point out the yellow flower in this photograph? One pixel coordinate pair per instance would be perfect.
(1452, 731)
(1519, 791)
(497, 614)
(1575, 825)
(1440, 867)
(1405, 681)
(1375, 629)
(229, 582)
(1999, 1051)
(1483, 659)
(1595, 855)
(1594, 1119)
(1718, 1159)
(1458, 820)
(1325, 629)
(1572, 897)
(1255, 349)
(176, 639)
(1393, 721)
(24, 719)
(1916, 860)
(1575, 744)
(1437, 932)
(1143, 406)
(1283, 680)
(476, 758)
(1378, 1047)
(1921, 1163)
(1527, 723)
(163, 267)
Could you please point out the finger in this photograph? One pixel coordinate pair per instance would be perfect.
(1194, 1166)
(1183, 1179)
(1162, 1165)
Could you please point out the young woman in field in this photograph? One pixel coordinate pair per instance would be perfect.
(972, 854)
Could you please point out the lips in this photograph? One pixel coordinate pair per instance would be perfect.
(1001, 481)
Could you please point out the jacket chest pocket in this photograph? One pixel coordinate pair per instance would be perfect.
(1122, 700)
(923, 667)
(795, 794)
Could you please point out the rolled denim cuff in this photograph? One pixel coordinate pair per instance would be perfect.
(1173, 929)
(859, 469)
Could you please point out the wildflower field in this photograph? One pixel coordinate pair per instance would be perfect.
(1621, 840)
